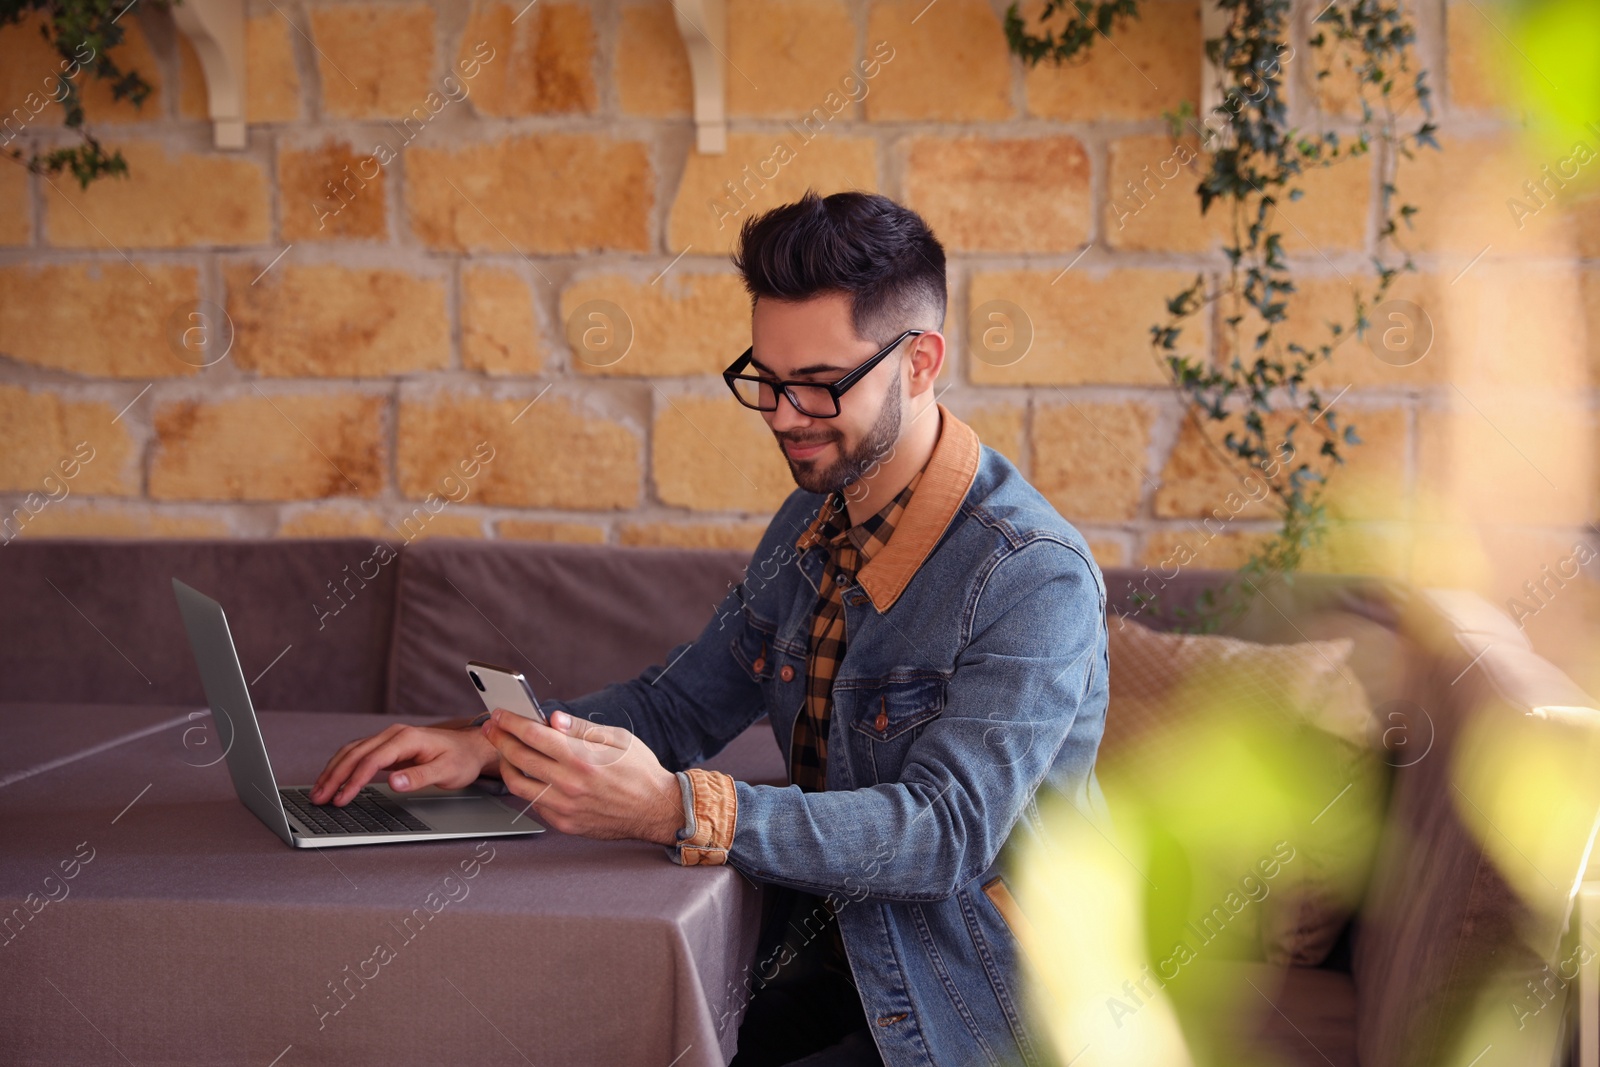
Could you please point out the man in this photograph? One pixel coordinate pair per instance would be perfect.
(926, 636)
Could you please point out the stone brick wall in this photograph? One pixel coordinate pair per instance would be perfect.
(400, 277)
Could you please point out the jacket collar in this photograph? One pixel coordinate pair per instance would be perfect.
(946, 479)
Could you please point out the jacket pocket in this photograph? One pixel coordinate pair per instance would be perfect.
(884, 716)
(752, 648)
(1022, 933)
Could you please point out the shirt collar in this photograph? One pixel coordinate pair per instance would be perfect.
(941, 486)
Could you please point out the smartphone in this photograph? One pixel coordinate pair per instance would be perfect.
(502, 687)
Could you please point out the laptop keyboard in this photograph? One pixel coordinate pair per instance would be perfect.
(370, 812)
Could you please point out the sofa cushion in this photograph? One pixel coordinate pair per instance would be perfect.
(572, 618)
(1274, 739)
(1371, 612)
(95, 621)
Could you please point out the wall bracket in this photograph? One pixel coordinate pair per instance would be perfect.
(216, 30)
(703, 24)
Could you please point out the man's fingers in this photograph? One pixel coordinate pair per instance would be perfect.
(524, 758)
(420, 775)
(597, 734)
(406, 744)
(339, 768)
(572, 738)
(344, 750)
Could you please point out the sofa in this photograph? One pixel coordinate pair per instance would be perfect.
(1442, 937)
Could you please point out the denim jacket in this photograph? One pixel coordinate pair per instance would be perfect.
(975, 673)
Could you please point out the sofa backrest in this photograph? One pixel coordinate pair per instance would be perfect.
(95, 621)
(572, 618)
(1442, 936)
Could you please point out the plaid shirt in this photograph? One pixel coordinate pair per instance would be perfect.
(849, 548)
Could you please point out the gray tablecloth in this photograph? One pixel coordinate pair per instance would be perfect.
(190, 934)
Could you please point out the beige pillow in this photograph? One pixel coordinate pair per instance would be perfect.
(1166, 689)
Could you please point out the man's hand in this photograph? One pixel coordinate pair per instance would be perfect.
(415, 756)
(587, 779)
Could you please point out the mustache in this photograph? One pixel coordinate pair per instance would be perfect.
(803, 440)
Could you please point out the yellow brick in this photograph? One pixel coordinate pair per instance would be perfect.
(59, 447)
(577, 533)
(499, 333)
(555, 193)
(29, 69)
(1147, 66)
(1151, 203)
(1198, 549)
(79, 520)
(104, 320)
(1086, 329)
(168, 200)
(1371, 483)
(555, 455)
(269, 446)
(736, 535)
(324, 320)
(542, 59)
(1514, 327)
(1505, 454)
(194, 101)
(1089, 458)
(1331, 214)
(330, 190)
(1341, 91)
(765, 170)
(652, 69)
(16, 208)
(1483, 65)
(999, 426)
(434, 517)
(785, 55)
(133, 53)
(374, 61)
(710, 454)
(393, 526)
(1582, 220)
(681, 324)
(272, 83)
(922, 46)
(1197, 483)
(1473, 193)
(991, 194)
(1108, 553)
(333, 521)
(1591, 311)
(1411, 326)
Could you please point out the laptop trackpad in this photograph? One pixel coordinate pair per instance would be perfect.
(466, 813)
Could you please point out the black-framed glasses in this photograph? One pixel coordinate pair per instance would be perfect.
(817, 400)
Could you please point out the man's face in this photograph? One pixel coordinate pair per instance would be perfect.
(813, 340)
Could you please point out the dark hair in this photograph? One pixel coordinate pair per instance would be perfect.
(882, 254)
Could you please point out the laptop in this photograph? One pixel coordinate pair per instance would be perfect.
(375, 816)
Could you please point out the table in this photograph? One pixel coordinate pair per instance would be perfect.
(188, 933)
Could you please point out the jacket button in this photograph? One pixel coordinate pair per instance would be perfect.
(881, 723)
(760, 664)
(786, 673)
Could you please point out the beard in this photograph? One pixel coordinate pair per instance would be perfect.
(874, 447)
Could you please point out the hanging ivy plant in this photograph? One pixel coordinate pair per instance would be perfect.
(82, 33)
(1256, 160)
